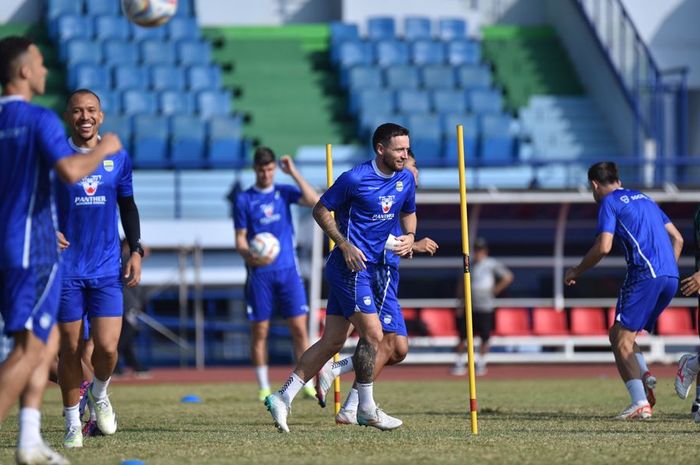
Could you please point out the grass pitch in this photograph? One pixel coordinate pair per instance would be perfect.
(520, 422)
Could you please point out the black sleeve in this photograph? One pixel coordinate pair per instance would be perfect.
(129, 214)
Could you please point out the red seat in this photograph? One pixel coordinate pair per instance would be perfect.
(409, 313)
(439, 321)
(549, 322)
(587, 321)
(512, 322)
(675, 321)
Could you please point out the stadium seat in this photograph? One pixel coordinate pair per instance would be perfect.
(118, 52)
(340, 32)
(371, 118)
(193, 52)
(121, 125)
(110, 101)
(364, 77)
(172, 102)
(82, 51)
(426, 138)
(102, 7)
(71, 26)
(203, 77)
(355, 54)
(139, 33)
(587, 321)
(497, 142)
(446, 101)
(451, 29)
(225, 146)
(187, 141)
(112, 27)
(131, 77)
(549, 322)
(138, 102)
(484, 102)
(463, 52)
(88, 76)
(185, 8)
(165, 77)
(150, 142)
(675, 321)
(213, 103)
(56, 8)
(391, 53)
(474, 77)
(375, 99)
(411, 101)
(416, 28)
(156, 52)
(438, 77)
(439, 321)
(427, 52)
(470, 129)
(402, 77)
(179, 28)
(381, 28)
(512, 322)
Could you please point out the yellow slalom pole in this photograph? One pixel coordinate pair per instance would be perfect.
(467, 283)
(331, 244)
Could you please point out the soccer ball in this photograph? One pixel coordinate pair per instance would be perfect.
(265, 244)
(149, 13)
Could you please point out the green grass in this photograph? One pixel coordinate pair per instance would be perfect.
(521, 422)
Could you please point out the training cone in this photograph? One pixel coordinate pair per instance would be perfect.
(191, 399)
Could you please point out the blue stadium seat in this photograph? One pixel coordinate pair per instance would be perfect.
(427, 52)
(391, 53)
(380, 99)
(193, 52)
(171, 102)
(213, 103)
(138, 102)
(438, 77)
(185, 9)
(364, 77)
(355, 54)
(118, 52)
(156, 52)
(130, 77)
(474, 77)
(72, 26)
(483, 102)
(139, 33)
(497, 142)
(416, 28)
(150, 141)
(82, 51)
(225, 142)
(112, 27)
(203, 77)
(470, 129)
(426, 138)
(179, 28)
(102, 7)
(452, 28)
(381, 28)
(411, 101)
(187, 141)
(369, 121)
(121, 125)
(165, 77)
(446, 101)
(341, 32)
(88, 76)
(460, 52)
(56, 8)
(402, 77)
(110, 101)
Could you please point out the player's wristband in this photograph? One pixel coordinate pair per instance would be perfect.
(411, 233)
(138, 249)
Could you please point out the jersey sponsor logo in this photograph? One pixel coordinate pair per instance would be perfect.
(399, 186)
(626, 199)
(90, 184)
(268, 210)
(108, 165)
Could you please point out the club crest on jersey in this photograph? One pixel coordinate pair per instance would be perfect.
(367, 300)
(386, 202)
(90, 184)
(108, 165)
(399, 186)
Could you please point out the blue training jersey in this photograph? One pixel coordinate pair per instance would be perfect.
(367, 204)
(32, 140)
(639, 224)
(88, 217)
(267, 210)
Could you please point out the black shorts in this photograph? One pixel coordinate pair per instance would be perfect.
(482, 322)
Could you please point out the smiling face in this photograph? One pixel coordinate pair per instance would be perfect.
(393, 156)
(84, 118)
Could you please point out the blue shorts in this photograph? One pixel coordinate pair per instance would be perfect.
(350, 291)
(29, 299)
(280, 289)
(386, 288)
(640, 304)
(96, 297)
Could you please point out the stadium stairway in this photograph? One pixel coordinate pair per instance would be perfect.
(286, 85)
(55, 96)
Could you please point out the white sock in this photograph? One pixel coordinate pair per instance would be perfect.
(643, 368)
(461, 360)
(366, 397)
(29, 428)
(342, 366)
(93, 415)
(290, 388)
(636, 389)
(99, 387)
(261, 374)
(310, 384)
(72, 416)
(352, 401)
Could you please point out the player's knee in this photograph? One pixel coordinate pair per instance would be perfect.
(400, 351)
